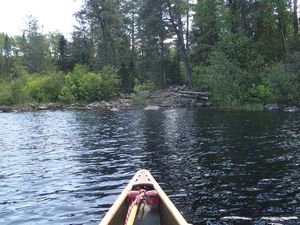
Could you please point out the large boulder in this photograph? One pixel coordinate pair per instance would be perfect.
(114, 110)
(5, 109)
(98, 105)
(272, 107)
(292, 109)
(152, 108)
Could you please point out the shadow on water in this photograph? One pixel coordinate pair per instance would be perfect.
(217, 167)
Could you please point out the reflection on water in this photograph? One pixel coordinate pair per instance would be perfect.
(217, 167)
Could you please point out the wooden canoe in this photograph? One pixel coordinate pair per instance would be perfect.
(168, 213)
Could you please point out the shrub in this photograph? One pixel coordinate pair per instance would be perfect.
(261, 92)
(90, 87)
(35, 87)
(18, 91)
(54, 84)
(285, 84)
(222, 77)
(46, 87)
(70, 92)
(146, 86)
(81, 85)
(5, 94)
(140, 99)
(66, 95)
(110, 84)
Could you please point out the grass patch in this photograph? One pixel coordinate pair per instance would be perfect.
(141, 98)
(249, 107)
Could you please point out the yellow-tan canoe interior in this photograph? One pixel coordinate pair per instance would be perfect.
(169, 215)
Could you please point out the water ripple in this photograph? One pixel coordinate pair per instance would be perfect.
(218, 167)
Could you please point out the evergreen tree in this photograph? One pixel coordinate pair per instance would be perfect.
(7, 58)
(34, 48)
(175, 10)
(63, 61)
(81, 49)
(106, 29)
(205, 30)
(153, 33)
(127, 80)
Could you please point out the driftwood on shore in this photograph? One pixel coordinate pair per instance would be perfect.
(178, 97)
(193, 98)
(194, 95)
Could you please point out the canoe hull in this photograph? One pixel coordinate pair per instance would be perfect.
(169, 214)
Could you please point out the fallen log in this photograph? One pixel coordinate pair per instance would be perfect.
(195, 93)
(198, 97)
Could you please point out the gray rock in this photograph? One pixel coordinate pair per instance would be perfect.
(152, 108)
(42, 107)
(114, 110)
(97, 105)
(272, 107)
(292, 109)
(199, 104)
(208, 104)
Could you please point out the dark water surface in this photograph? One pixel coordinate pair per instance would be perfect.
(217, 167)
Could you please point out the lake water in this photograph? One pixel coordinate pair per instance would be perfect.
(218, 167)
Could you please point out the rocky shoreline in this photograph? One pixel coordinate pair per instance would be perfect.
(173, 97)
(115, 105)
(166, 98)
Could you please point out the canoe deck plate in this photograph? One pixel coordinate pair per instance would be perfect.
(142, 181)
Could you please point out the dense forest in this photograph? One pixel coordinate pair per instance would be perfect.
(242, 51)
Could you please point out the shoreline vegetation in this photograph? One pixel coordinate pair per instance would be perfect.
(246, 54)
(151, 101)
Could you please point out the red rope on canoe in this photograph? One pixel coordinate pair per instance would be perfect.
(136, 197)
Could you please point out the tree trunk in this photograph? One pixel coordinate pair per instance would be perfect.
(243, 15)
(187, 35)
(175, 18)
(132, 36)
(295, 21)
(183, 54)
(162, 62)
(282, 29)
(233, 15)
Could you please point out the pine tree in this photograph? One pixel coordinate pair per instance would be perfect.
(34, 47)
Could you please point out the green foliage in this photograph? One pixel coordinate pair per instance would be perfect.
(127, 78)
(140, 99)
(36, 88)
(5, 94)
(66, 95)
(285, 84)
(231, 85)
(146, 86)
(221, 77)
(205, 32)
(81, 85)
(111, 82)
(241, 50)
(261, 92)
(18, 91)
(46, 87)
(243, 107)
(90, 87)
(35, 48)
